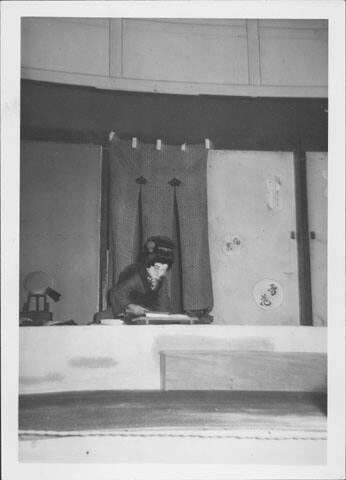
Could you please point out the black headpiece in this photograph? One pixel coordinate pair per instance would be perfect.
(159, 249)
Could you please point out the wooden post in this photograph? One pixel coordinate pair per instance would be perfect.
(303, 240)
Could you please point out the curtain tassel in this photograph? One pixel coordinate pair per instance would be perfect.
(174, 182)
(141, 180)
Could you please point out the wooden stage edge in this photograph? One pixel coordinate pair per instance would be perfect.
(114, 411)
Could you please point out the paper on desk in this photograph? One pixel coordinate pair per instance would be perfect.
(167, 316)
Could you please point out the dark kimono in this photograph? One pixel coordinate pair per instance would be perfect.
(133, 286)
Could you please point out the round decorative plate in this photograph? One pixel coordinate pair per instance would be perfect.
(232, 244)
(268, 294)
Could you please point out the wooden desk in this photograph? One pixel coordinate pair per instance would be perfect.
(243, 370)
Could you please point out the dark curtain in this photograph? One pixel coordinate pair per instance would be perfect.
(163, 192)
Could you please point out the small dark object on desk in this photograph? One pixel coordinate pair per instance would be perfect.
(107, 314)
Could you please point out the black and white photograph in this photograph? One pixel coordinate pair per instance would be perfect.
(173, 202)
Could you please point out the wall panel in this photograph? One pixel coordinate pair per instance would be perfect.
(293, 56)
(60, 223)
(285, 58)
(172, 52)
(72, 46)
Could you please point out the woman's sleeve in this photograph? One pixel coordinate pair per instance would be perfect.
(163, 301)
(120, 295)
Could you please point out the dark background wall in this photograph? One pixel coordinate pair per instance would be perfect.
(84, 114)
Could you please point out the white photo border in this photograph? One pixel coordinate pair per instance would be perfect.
(11, 13)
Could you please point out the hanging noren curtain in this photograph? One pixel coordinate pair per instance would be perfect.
(169, 188)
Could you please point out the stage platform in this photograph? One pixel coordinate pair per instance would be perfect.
(180, 426)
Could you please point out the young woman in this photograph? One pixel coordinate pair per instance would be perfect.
(142, 286)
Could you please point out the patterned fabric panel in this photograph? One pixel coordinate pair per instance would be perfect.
(163, 174)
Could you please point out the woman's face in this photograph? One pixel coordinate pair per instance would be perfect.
(157, 270)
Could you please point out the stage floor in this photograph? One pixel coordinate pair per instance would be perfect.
(204, 426)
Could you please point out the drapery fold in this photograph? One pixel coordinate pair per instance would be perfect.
(165, 175)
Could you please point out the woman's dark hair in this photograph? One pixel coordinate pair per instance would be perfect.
(158, 249)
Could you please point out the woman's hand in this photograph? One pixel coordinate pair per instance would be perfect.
(136, 309)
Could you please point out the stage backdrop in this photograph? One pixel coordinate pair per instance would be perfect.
(253, 246)
(166, 192)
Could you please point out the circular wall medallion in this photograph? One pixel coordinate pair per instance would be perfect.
(232, 244)
(268, 294)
